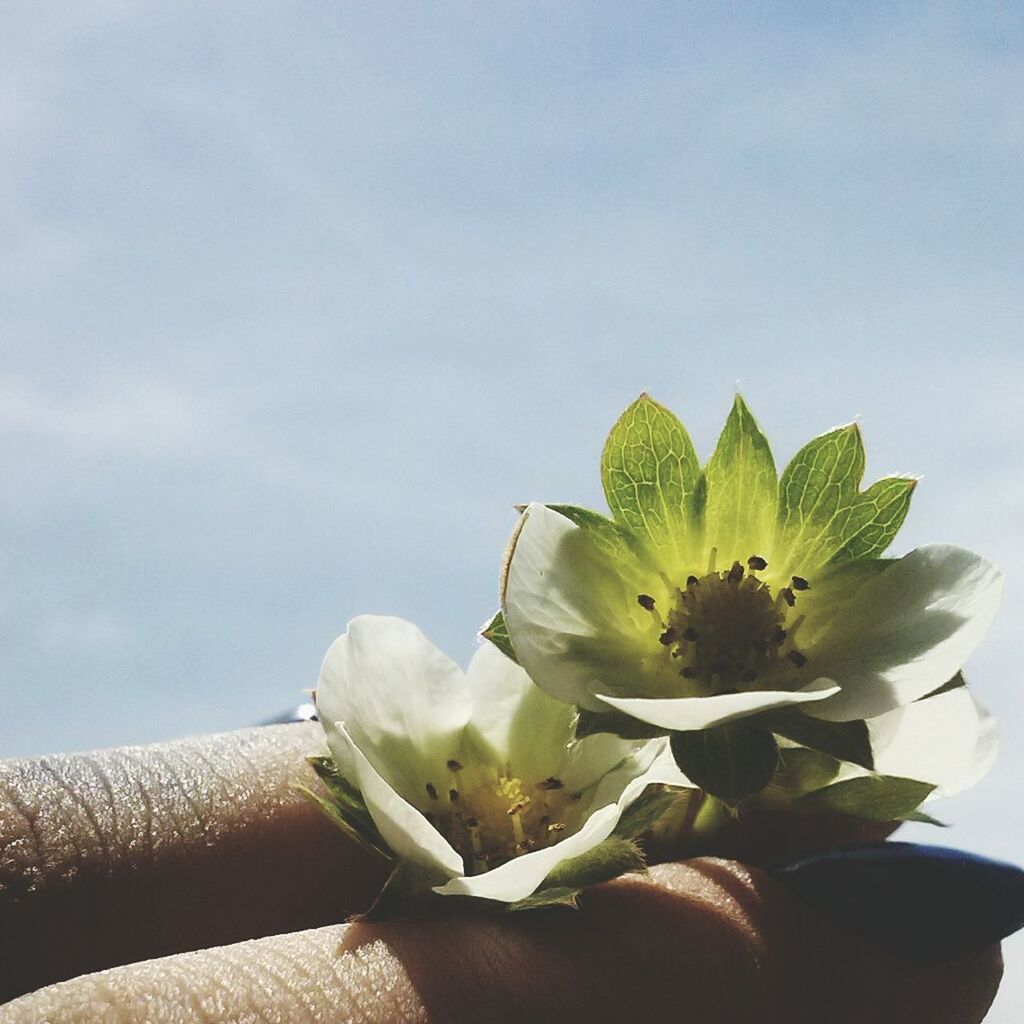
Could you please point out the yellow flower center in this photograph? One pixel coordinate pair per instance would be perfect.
(724, 629)
(498, 816)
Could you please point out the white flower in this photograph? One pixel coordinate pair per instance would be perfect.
(720, 593)
(471, 779)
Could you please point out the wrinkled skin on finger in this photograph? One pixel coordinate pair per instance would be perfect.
(707, 941)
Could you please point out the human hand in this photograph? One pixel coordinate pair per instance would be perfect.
(128, 855)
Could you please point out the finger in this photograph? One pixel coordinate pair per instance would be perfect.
(120, 855)
(707, 941)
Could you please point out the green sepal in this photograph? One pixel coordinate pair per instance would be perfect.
(732, 761)
(821, 479)
(607, 536)
(609, 859)
(346, 807)
(951, 684)
(407, 891)
(924, 819)
(643, 812)
(589, 723)
(845, 741)
(651, 476)
(875, 518)
(497, 632)
(872, 797)
(556, 896)
(801, 771)
(742, 488)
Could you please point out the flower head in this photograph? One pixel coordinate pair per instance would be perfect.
(471, 781)
(724, 594)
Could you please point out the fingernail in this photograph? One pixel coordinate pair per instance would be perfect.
(926, 903)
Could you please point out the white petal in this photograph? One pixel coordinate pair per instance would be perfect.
(401, 826)
(905, 631)
(516, 719)
(947, 740)
(690, 713)
(518, 878)
(404, 703)
(562, 605)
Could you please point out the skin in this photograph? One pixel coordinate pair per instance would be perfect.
(182, 851)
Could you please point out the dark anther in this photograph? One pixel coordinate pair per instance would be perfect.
(645, 601)
(735, 573)
(689, 672)
(667, 637)
(471, 823)
(788, 596)
(692, 581)
(454, 766)
(551, 783)
(749, 676)
(453, 795)
(481, 856)
(689, 633)
(575, 797)
(799, 583)
(797, 658)
(757, 563)
(778, 634)
(431, 792)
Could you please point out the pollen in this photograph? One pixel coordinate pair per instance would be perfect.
(726, 628)
(495, 815)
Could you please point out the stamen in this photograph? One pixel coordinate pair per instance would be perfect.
(453, 795)
(557, 826)
(735, 573)
(431, 791)
(757, 563)
(788, 596)
(777, 635)
(667, 637)
(454, 766)
(797, 658)
(551, 783)
(645, 601)
(712, 559)
(799, 583)
(691, 582)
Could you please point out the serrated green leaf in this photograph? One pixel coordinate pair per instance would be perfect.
(742, 489)
(496, 631)
(732, 761)
(615, 856)
(556, 896)
(875, 518)
(822, 478)
(589, 723)
(872, 797)
(651, 476)
(845, 741)
(802, 771)
(645, 811)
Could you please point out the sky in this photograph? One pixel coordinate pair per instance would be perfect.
(299, 300)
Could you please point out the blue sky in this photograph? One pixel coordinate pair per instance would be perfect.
(299, 299)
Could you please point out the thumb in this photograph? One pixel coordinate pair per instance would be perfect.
(705, 941)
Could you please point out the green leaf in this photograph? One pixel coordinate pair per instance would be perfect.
(589, 723)
(845, 741)
(875, 518)
(802, 771)
(873, 797)
(556, 896)
(407, 891)
(651, 476)
(615, 856)
(645, 811)
(742, 490)
(497, 632)
(821, 479)
(731, 761)
(352, 827)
